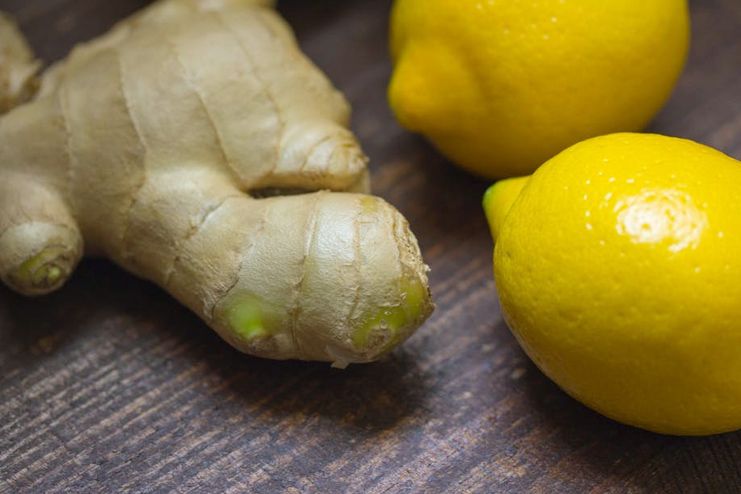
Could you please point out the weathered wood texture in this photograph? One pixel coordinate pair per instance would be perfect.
(110, 385)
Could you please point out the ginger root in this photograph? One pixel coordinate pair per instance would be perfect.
(151, 146)
(17, 66)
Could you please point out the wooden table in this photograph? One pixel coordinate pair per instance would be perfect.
(110, 385)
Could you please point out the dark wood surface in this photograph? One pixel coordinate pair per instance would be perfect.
(111, 386)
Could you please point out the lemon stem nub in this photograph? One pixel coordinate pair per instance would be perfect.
(498, 200)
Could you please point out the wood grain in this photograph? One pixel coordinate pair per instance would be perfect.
(111, 386)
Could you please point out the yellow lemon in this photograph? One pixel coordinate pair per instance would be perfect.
(499, 86)
(618, 267)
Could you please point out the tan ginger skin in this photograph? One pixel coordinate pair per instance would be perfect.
(143, 147)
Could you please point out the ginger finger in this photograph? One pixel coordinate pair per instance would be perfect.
(17, 66)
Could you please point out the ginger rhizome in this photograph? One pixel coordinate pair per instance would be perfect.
(154, 146)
